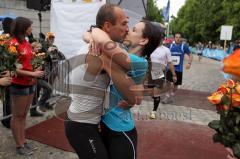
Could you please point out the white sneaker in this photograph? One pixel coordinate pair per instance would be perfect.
(153, 115)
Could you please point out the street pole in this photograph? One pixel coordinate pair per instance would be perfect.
(225, 45)
(168, 28)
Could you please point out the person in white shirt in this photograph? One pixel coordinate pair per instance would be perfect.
(159, 60)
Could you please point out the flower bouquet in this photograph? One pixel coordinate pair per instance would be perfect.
(8, 54)
(227, 102)
(38, 59)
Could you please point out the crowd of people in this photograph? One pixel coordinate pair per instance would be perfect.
(22, 89)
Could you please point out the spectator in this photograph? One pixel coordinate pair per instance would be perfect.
(6, 24)
(53, 56)
(237, 45)
(42, 83)
(23, 85)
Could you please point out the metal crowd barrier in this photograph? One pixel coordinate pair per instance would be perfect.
(60, 86)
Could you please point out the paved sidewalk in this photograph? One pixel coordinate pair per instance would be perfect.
(203, 76)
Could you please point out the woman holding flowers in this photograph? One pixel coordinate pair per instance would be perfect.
(23, 84)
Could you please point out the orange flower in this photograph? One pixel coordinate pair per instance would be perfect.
(12, 49)
(232, 63)
(223, 89)
(235, 100)
(2, 42)
(237, 88)
(230, 83)
(216, 97)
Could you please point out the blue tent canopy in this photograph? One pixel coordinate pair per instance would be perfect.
(10, 15)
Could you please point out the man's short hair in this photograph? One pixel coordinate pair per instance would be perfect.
(178, 34)
(106, 13)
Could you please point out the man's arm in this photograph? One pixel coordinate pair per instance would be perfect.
(190, 58)
(111, 48)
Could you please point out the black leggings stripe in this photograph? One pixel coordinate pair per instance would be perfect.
(131, 142)
(120, 145)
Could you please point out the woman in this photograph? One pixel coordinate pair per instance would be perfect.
(142, 40)
(117, 127)
(23, 85)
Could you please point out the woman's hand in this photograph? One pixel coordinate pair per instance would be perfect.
(37, 74)
(5, 81)
(5, 74)
(94, 49)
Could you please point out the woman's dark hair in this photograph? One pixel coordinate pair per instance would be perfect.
(6, 24)
(19, 28)
(154, 36)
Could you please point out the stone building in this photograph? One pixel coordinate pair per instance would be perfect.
(19, 8)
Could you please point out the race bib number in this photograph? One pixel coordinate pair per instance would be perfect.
(176, 60)
(157, 74)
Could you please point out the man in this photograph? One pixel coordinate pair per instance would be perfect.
(199, 49)
(178, 50)
(160, 59)
(53, 56)
(236, 45)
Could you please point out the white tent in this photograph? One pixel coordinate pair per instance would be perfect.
(69, 20)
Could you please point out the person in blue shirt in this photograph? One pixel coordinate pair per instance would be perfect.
(117, 126)
(178, 50)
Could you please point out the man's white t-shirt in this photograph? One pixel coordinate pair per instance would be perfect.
(159, 59)
(161, 55)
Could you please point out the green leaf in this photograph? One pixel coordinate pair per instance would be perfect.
(217, 138)
(215, 124)
(238, 119)
(225, 100)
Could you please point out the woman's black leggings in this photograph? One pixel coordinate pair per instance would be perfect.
(120, 145)
(85, 140)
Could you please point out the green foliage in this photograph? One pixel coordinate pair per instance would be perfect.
(228, 130)
(153, 12)
(202, 20)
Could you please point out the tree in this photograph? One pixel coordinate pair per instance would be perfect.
(202, 20)
(153, 12)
